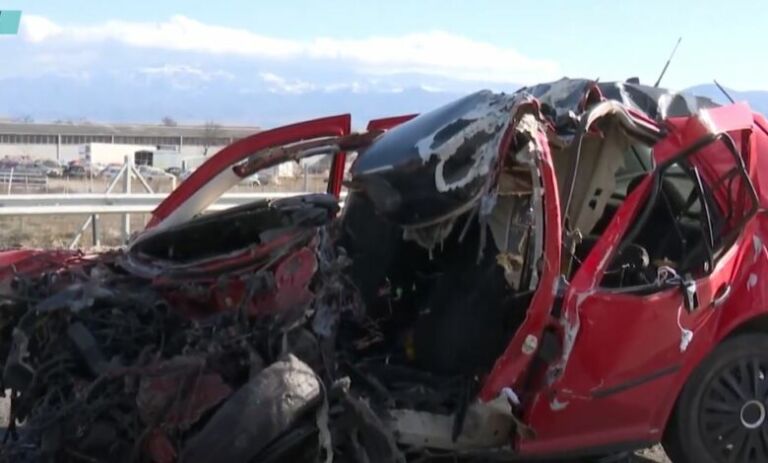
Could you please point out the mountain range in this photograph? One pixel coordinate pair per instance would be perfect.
(757, 99)
(265, 101)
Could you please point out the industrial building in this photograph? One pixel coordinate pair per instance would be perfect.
(66, 142)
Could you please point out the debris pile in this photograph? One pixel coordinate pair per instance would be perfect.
(103, 367)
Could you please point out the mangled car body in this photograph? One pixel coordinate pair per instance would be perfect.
(575, 268)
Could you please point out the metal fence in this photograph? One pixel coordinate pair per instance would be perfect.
(111, 203)
(118, 198)
(28, 179)
(96, 204)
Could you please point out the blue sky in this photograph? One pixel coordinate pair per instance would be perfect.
(606, 39)
(199, 60)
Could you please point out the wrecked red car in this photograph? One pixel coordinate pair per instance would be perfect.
(572, 269)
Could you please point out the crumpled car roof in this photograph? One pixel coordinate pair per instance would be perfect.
(561, 97)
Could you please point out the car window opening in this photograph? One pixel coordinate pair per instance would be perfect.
(683, 227)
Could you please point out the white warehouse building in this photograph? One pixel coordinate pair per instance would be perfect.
(67, 142)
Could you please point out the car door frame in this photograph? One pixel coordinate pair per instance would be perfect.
(623, 410)
(202, 188)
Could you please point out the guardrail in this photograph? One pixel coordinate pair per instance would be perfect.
(126, 203)
(112, 203)
(95, 204)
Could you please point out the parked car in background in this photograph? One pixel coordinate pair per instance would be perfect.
(253, 180)
(151, 173)
(28, 170)
(8, 162)
(50, 167)
(76, 171)
(175, 171)
(110, 171)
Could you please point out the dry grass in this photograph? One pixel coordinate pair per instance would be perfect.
(58, 231)
(53, 231)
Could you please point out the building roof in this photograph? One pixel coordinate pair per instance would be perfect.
(142, 130)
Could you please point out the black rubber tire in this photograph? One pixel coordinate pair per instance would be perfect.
(723, 381)
(269, 405)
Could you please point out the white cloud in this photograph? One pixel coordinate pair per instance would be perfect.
(184, 77)
(431, 88)
(37, 28)
(354, 87)
(438, 53)
(186, 72)
(178, 33)
(433, 53)
(278, 84)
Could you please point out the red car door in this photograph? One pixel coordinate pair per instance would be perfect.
(626, 348)
(217, 175)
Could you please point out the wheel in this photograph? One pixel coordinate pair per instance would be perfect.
(722, 413)
(269, 405)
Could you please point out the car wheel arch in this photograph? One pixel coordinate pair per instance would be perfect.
(754, 324)
(747, 338)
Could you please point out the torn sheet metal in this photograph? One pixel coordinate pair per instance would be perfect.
(562, 100)
(485, 426)
(427, 169)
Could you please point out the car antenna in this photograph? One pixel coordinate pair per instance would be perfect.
(722, 89)
(666, 65)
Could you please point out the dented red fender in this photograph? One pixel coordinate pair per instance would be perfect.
(34, 261)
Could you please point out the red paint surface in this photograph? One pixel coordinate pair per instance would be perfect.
(626, 368)
(241, 149)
